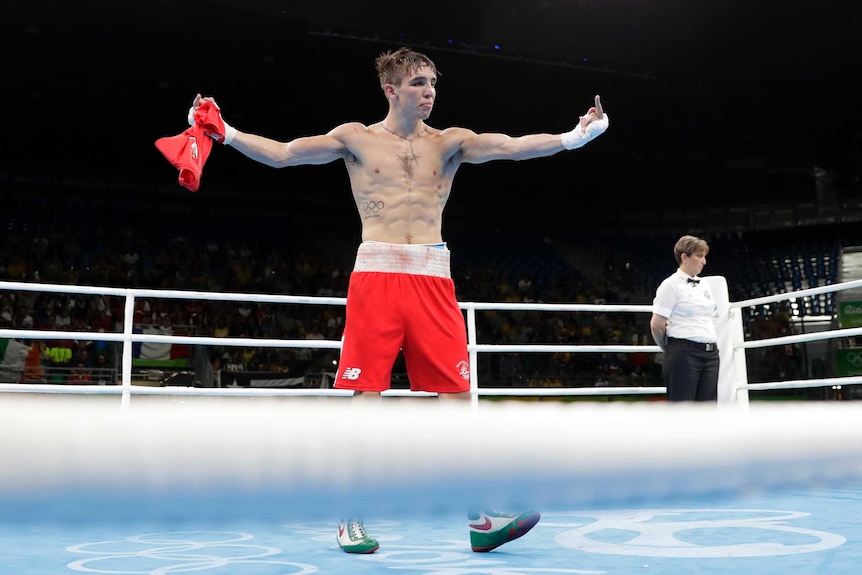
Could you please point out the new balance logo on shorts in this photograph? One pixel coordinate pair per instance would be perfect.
(351, 373)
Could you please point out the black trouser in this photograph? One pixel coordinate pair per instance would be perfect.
(690, 370)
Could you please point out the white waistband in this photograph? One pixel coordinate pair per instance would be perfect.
(403, 259)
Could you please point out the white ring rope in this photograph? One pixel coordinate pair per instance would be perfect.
(315, 457)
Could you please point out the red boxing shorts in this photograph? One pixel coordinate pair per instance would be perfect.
(401, 297)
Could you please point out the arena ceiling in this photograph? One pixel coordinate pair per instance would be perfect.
(725, 94)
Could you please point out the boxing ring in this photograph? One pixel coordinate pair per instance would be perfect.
(248, 480)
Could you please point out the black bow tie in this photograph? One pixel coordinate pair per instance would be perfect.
(693, 281)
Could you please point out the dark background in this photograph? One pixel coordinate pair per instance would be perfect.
(712, 102)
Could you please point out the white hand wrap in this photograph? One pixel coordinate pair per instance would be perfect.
(580, 136)
(229, 133)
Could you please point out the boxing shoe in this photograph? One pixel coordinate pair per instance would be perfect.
(490, 529)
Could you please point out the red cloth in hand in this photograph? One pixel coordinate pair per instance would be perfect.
(208, 116)
(189, 151)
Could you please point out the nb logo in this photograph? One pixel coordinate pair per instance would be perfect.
(351, 373)
(194, 147)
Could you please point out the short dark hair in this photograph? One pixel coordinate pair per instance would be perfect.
(393, 66)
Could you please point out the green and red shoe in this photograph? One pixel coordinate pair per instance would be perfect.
(352, 537)
(489, 530)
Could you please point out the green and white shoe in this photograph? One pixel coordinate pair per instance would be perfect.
(352, 537)
(490, 529)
